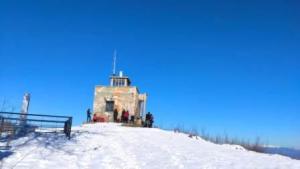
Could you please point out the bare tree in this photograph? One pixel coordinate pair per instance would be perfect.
(226, 139)
(6, 106)
(257, 145)
(3, 105)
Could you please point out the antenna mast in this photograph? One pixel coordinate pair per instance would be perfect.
(114, 61)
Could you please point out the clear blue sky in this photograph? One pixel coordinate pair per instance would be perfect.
(228, 66)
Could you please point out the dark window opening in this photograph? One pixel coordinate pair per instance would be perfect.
(109, 106)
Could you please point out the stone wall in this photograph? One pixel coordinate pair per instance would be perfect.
(124, 98)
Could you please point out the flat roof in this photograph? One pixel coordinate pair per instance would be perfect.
(123, 77)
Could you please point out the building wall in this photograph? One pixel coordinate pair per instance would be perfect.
(124, 98)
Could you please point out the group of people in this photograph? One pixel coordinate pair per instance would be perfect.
(124, 116)
(149, 120)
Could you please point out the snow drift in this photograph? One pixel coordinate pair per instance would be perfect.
(112, 146)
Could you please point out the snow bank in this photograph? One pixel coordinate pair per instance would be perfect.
(113, 146)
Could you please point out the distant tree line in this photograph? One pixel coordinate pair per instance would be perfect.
(256, 145)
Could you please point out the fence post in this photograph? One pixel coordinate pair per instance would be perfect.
(65, 127)
(69, 127)
(2, 125)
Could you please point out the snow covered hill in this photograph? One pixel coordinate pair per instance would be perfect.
(96, 146)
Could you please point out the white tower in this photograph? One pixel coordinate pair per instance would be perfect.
(25, 106)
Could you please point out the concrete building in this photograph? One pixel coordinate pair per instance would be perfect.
(118, 95)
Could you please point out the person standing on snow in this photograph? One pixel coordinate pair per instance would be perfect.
(126, 116)
(115, 115)
(88, 115)
(149, 120)
(123, 116)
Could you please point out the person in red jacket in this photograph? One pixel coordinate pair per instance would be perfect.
(126, 116)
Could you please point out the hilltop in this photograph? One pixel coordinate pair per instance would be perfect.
(108, 145)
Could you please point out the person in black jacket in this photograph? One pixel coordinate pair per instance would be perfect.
(115, 115)
(123, 116)
(149, 120)
(88, 115)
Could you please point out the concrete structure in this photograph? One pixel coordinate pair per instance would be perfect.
(119, 95)
(24, 108)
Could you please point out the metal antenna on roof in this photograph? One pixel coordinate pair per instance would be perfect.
(114, 61)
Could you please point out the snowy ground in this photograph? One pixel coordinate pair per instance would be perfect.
(96, 146)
